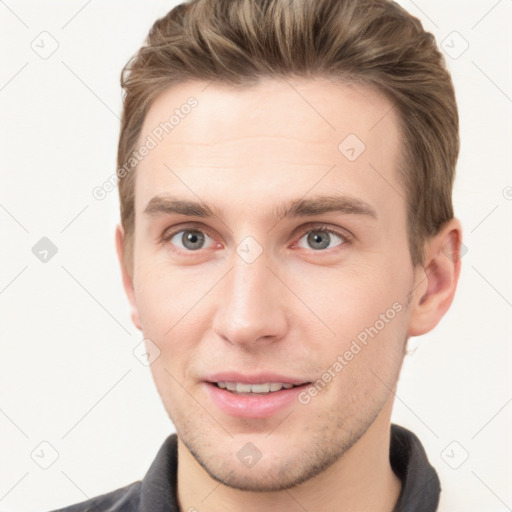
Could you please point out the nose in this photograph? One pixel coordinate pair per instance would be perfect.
(251, 308)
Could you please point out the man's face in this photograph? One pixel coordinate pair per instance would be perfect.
(251, 296)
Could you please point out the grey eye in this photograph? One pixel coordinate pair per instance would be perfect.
(190, 239)
(317, 239)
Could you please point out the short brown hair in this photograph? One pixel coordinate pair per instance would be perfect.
(375, 42)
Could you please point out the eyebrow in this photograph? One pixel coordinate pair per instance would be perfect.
(317, 205)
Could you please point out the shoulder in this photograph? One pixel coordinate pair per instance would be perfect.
(125, 499)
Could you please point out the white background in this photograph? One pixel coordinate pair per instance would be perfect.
(67, 372)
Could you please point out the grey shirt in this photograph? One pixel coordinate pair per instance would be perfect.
(157, 491)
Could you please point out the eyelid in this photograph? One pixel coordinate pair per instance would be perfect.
(346, 235)
(190, 226)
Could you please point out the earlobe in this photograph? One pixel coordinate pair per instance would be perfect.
(127, 277)
(436, 282)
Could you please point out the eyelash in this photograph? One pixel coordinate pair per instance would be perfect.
(323, 228)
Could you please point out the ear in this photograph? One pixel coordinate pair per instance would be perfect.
(127, 276)
(436, 281)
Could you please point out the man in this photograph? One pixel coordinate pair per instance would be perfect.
(285, 175)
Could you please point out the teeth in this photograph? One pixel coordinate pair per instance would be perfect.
(261, 388)
(230, 386)
(264, 388)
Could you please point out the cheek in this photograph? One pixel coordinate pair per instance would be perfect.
(363, 362)
(366, 310)
(154, 302)
(350, 299)
(172, 313)
(164, 296)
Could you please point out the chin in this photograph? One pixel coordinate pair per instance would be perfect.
(280, 472)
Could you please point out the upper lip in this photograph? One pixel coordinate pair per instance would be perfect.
(257, 378)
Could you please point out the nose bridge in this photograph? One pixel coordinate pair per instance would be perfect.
(250, 306)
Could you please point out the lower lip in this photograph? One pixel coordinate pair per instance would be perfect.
(252, 406)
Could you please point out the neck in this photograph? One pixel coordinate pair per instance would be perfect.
(362, 479)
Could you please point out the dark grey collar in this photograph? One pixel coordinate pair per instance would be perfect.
(420, 483)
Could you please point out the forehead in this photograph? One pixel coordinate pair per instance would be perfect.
(276, 138)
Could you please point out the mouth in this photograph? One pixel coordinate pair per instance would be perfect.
(248, 389)
(253, 397)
